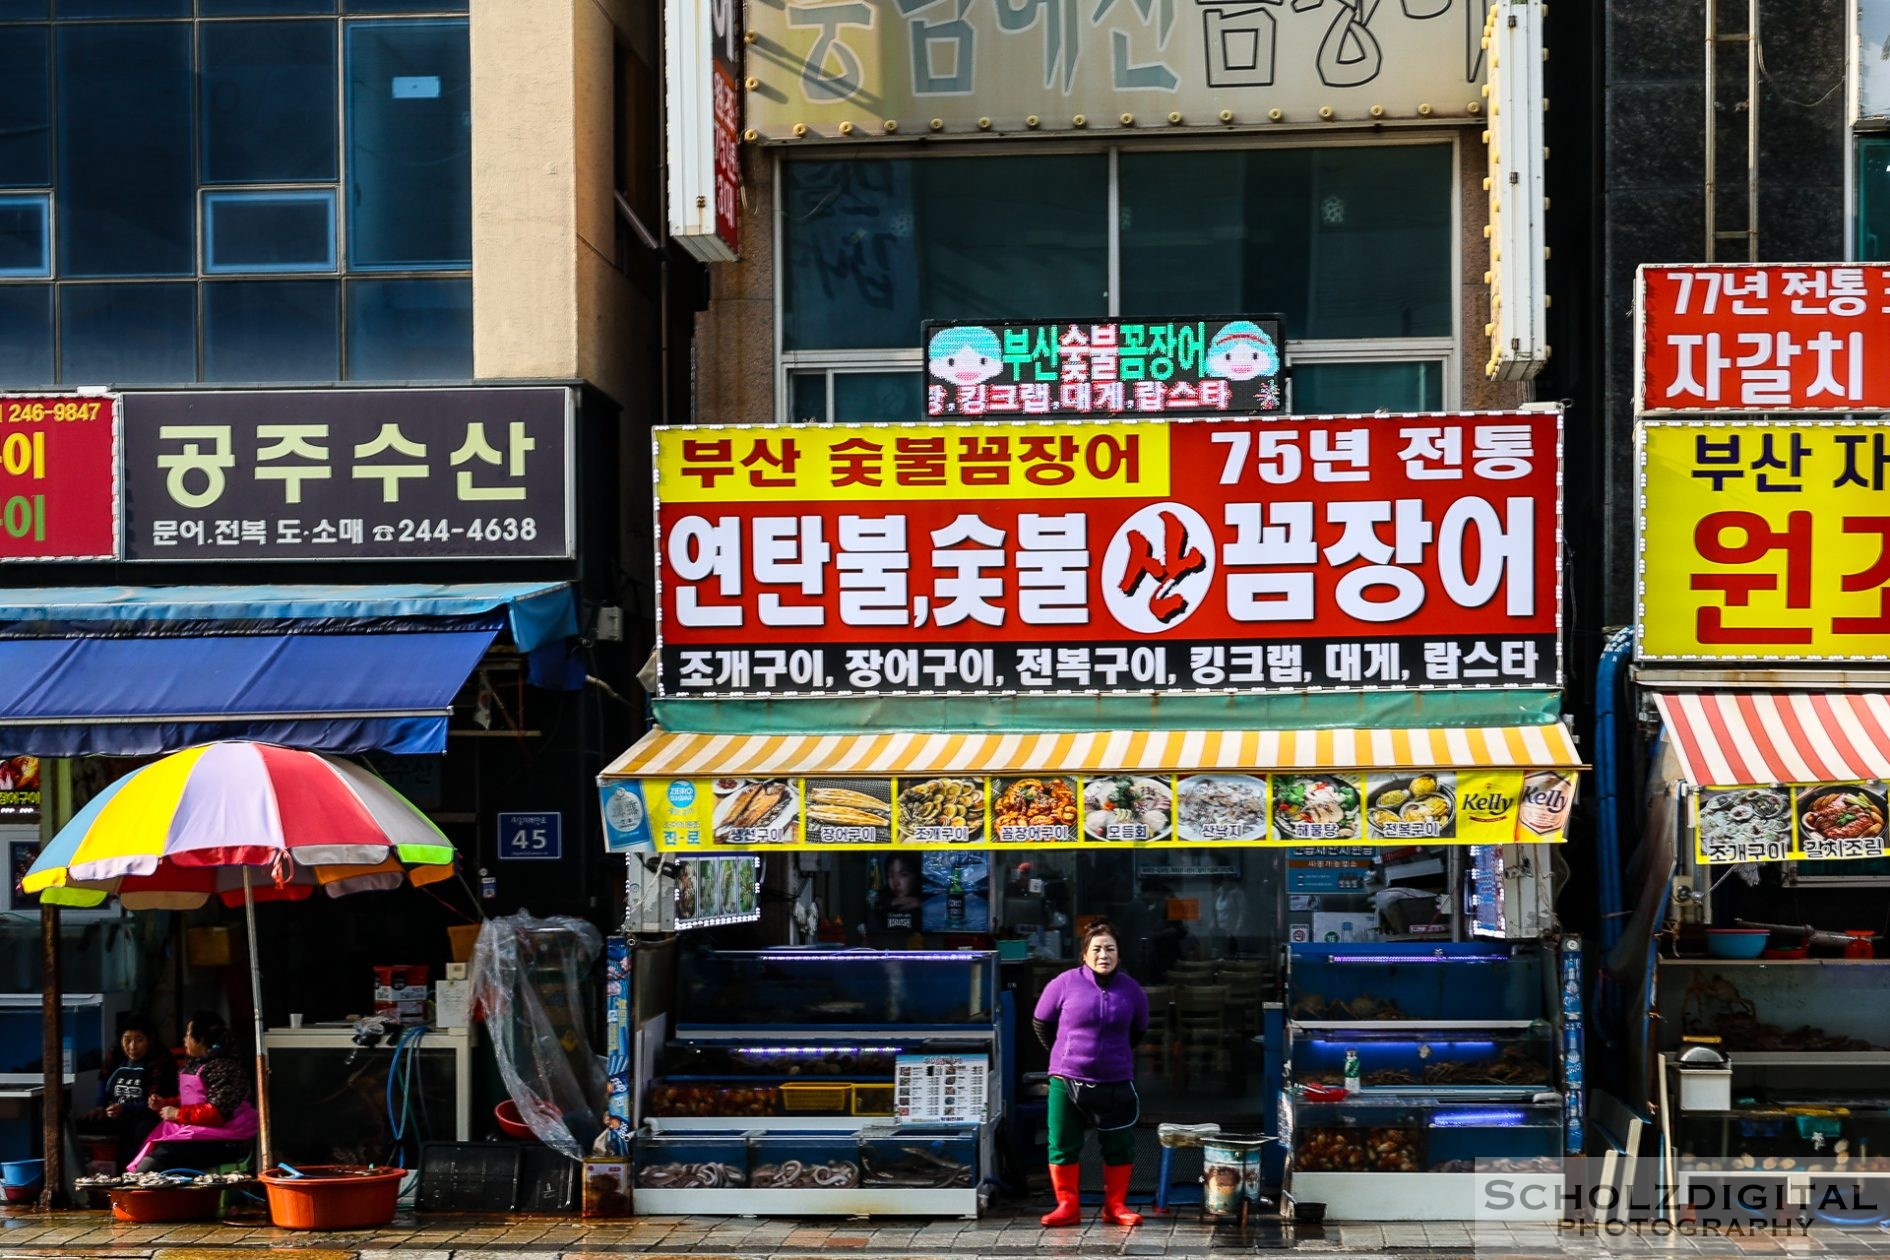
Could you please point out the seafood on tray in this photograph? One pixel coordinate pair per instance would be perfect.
(1421, 807)
(761, 813)
(942, 805)
(1031, 805)
(1223, 807)
(1316, 807)
(1743, 816)
(1127, 807)
(844, 815)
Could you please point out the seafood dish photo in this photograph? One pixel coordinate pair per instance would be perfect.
(942, 803)
(761, 813)
(1035, 803)
(1745, 816)
(839, 807)
(1422, 807)
(1223, 807)
(1315, 807)
(1122, 802)
(1844, 813)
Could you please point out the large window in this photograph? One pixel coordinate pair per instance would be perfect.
(1873, 199)
(1355, 245)
(266, 191)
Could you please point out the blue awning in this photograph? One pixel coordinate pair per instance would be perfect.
(129, 671)
(539, 612)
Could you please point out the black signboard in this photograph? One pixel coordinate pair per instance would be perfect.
(1198, 365)
(360, 474)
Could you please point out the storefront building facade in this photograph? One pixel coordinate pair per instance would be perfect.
(322, 327)
(883, 662)
(1739, 971)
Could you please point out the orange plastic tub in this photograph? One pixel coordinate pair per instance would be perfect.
(333, 1196)
(187, 1203)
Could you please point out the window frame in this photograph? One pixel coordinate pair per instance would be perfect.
(347, 24)
(43, 200)
(1444, 349)
(265, 194)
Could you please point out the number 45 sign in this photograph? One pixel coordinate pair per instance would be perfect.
(531, 837)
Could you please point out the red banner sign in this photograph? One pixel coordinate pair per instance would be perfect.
(1811, 338)
(58, 477)
(1136, 556)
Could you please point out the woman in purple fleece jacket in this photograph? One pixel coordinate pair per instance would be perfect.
(1090, 1019)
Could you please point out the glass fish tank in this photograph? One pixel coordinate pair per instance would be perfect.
(837, 988)
(1476, 981)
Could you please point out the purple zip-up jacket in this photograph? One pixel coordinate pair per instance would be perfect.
(1097, 1027)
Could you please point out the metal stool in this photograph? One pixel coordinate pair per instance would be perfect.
(1174, 1136)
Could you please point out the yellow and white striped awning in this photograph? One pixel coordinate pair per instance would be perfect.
(665, 755)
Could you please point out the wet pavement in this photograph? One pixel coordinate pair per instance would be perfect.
(33, 1235)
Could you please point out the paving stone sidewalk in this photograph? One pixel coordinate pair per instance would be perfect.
(32, 1235)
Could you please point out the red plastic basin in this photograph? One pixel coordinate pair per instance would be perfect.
(333, 1196)
(188, 1203)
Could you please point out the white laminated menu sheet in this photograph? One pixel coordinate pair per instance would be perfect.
(940, 1088)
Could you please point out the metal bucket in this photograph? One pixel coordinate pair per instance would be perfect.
(1230, 1176)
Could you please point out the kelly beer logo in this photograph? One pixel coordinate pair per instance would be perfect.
(1547, 798)
(1491, 804)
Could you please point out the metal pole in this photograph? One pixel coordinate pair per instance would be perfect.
(1752, 130)
(1712, 128)
(52, 1061)
(264, 1146)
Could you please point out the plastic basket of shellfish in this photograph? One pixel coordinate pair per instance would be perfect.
(827, 1098)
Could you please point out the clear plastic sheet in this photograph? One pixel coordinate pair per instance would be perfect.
(532, 979)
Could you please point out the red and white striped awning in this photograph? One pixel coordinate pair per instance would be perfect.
(1743, 738)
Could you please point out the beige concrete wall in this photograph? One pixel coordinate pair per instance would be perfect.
(525, 170)
(615, 327)
(550, 298)
(734, 347)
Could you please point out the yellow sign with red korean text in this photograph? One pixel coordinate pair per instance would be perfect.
(1764, 541)
(824, 463)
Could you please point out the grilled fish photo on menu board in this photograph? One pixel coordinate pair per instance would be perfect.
(844, 816)
(756, 804)
(847, 798)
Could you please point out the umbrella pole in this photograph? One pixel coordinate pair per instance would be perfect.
(264, 1147)
(52, 1062)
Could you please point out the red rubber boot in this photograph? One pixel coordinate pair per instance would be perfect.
(1115, 1209)
(1067, 1181)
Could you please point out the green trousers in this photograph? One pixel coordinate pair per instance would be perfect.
(1067, 1127)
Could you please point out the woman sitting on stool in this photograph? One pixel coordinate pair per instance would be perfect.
(212, 1121)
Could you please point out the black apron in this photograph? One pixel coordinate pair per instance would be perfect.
(1106, 1105)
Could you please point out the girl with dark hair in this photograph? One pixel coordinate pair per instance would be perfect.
(1090, 1018)
(143, 1070)
(212, 1120)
